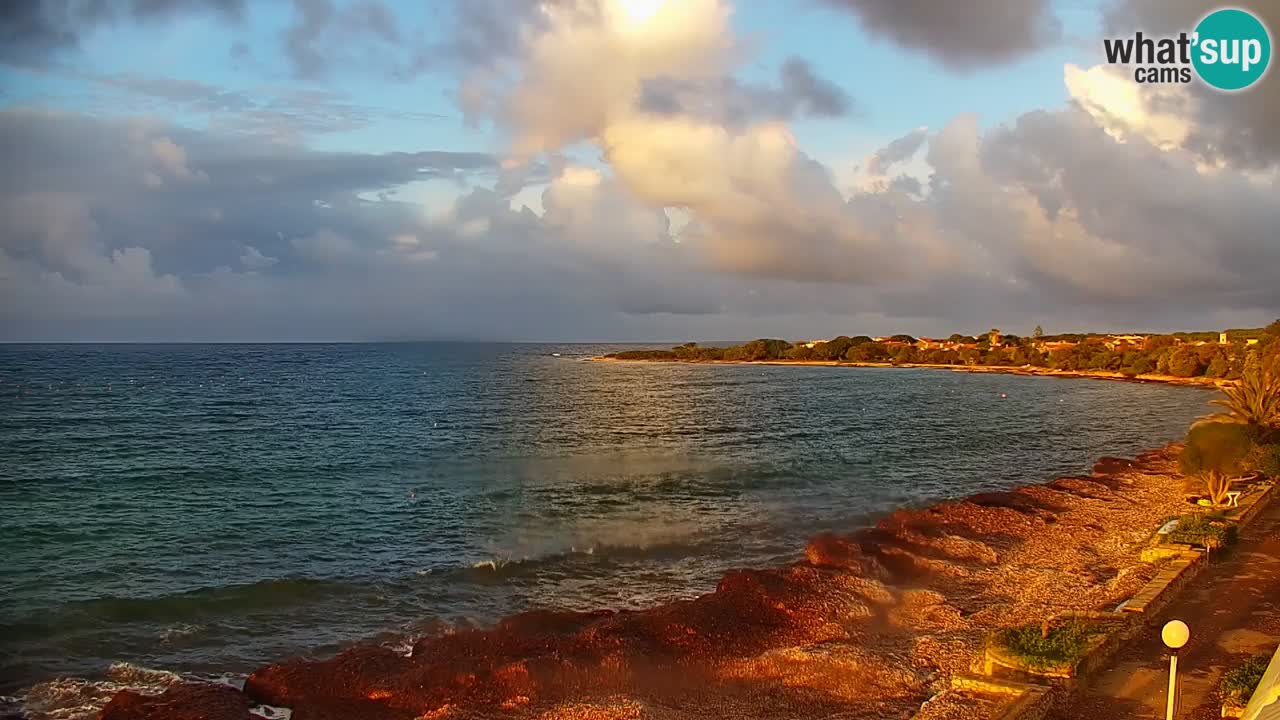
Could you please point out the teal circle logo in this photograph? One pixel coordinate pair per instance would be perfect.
(1232, 49)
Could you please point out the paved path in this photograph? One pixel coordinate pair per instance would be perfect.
(1233, 610)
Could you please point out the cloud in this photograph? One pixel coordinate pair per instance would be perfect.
(961, 35)
(760, 205)
(897, 151)
(253, 259)
(728, 101)
(32, 32)
(282, 114)
(296, 249)
(323, 35)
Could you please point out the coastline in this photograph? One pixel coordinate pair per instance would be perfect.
(1027, 370)
(867, 622)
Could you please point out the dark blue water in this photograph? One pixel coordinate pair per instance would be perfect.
(210, 508)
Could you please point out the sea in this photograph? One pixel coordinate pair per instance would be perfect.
(200, 510)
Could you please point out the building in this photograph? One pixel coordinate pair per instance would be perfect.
(1222, 338)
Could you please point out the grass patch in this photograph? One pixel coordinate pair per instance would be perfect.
(1205, 530)
(1240, 681)
(1064, 646)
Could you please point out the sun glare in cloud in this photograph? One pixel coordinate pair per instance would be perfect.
(639, 12)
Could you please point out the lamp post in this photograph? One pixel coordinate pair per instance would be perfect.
(1175, 634)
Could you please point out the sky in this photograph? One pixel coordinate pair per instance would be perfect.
(621, 170)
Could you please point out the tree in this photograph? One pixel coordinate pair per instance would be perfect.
(800, 352)
(1273, 329)
(1038, 332)
(1185, 362)
(832, 349)
(868, 352)
(1254, 400)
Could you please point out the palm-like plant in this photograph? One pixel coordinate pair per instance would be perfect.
(1215, 486)
(1254, 400)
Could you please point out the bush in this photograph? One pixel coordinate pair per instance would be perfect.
(1065, 644)
(1266, 459)
(1218, 447)
(1203, 531)
(1239, 682)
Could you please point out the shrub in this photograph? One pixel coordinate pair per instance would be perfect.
(1217, 446)
(1239, 682)
(1266, 459)
(1204, 531)
(1062, 646)
(1215, 486)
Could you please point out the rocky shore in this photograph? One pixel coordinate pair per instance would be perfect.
(867, 625)
(1028, 370)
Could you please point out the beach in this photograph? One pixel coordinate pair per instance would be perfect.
(868, 625)
(1027, 370)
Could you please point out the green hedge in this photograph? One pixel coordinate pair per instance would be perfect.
(1239, 682)
(1065, 645)
(1204, 530)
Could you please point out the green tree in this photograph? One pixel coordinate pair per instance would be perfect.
(1038, 332)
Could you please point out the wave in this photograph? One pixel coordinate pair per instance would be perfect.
(506, 566)
(76, 698)
(182, 613)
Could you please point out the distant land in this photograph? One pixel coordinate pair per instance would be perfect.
(1201, 358)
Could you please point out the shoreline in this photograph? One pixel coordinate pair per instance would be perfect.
(1026, 370)
(866, 623)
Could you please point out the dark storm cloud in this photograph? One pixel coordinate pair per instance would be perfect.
(1241, 128)
(33, 31)
(726, 100)
(960, 34)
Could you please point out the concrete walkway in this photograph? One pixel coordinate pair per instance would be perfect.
(1233, 610)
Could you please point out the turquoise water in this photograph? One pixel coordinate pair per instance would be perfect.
(210, 508)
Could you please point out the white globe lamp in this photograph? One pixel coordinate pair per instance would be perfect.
(1175, 634)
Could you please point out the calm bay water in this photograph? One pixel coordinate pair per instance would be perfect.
(209, 508)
